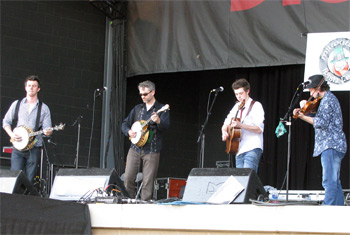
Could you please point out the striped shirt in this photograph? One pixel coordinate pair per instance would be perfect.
(27, 117)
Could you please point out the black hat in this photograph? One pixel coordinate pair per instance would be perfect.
(315, 81)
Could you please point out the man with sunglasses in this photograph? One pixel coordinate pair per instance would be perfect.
(149, 153)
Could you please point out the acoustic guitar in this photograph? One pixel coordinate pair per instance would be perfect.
(141, 129)
(232, 142)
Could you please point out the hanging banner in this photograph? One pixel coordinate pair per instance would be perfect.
(329, 54)
(187, 35)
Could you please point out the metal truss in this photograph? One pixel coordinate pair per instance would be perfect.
(112, 9)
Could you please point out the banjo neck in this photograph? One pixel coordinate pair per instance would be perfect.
(164, 108)
(39, 132)
(56, 128)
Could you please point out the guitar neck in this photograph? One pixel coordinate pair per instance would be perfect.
(235, 118)
(240, 108)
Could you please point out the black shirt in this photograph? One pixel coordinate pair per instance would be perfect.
(139, 112)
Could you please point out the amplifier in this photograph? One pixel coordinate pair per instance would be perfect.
(7, 149)
(165, 188)
(297, 195)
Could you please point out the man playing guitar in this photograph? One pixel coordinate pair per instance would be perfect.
(32, 114)
(146, 140)
(251, 122)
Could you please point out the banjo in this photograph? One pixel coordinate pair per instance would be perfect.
(141, 129)
(27, 135)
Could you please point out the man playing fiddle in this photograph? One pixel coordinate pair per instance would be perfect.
(330, 141)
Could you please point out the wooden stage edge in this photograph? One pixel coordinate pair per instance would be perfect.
(218, 219)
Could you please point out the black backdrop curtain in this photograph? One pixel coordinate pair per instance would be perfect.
(187, 94)
(117, 105)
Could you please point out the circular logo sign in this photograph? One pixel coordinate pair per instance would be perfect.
(335, 61)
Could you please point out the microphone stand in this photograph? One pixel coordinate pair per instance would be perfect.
(57, 160)
(44, 187)
(201, 136)
(97, 93)
(76, 161)
(288, 120)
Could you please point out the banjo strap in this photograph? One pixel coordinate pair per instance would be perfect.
(38, 116)
(15, 118)
(137, 111)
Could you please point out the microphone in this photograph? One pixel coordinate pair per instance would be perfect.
(102, 89)
(220, 89)
(51, 142)
(77, 120)
(306, 83)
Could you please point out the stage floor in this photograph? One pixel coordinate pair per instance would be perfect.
(219, 219)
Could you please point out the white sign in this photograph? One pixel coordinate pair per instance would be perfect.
(227, 192)
(329, 54)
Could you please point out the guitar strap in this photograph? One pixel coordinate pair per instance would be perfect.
(250, 107)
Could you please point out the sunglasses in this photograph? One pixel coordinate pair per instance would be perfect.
(145, 94)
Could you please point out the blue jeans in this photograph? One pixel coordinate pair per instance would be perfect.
(26, 161)
(249, 159)
(331, 162)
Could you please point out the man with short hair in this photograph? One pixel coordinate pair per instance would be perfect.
(27, 114)
(251, 122)
(149, 153)
(330, 140)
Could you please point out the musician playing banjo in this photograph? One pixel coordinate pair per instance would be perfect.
(145, 126)
(251, 123)
(25, 114)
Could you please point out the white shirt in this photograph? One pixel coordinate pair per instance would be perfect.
(256, 117)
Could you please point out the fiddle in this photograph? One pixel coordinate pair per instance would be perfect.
(311, 106)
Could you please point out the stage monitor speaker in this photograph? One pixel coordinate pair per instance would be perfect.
(202, 183)
(16, 182)
(73, 184)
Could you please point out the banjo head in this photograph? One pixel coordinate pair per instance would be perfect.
(136, 127)
(24, 132)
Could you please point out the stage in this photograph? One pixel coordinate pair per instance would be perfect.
(25, 214)
(218, 219)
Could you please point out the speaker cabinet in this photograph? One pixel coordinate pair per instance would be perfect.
(73, 184)
(202, 183)
(16, 182)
